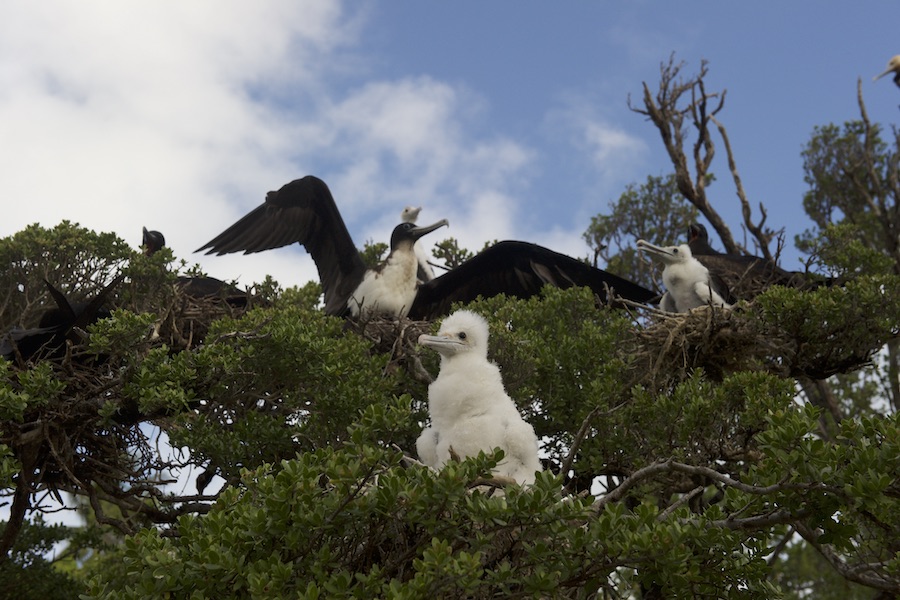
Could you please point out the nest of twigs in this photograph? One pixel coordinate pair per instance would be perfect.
(68, 445)
(397, 338)
(186, 318)
(722, 341)
(719, 341)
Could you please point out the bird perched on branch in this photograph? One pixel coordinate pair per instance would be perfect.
(304, 211)
(688, 283)
(469, 407)
(64, 322)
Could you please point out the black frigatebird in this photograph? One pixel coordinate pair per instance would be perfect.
(744, 274)
(56, 325)
(196, 287)
(304, 211)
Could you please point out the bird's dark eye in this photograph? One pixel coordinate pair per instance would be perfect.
(462, 335)
(674, 250)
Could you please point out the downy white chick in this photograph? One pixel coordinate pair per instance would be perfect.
(470, 410)
(688, 283)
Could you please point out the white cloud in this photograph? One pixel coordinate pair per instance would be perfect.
(122, 115)
(417, 141)
(181, 117)
(608, 149)
(610, 146)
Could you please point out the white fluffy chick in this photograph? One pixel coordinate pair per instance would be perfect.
(688, 283)
(470, 410)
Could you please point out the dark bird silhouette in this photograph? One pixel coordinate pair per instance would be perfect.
(745, 275)
(196, 287)
(518, 269)
(152, 242)
(56, 326)
(304, 211)
(893, 66)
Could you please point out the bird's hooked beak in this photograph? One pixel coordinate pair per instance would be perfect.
(445, 344)
(893, 67)
(879, 76)
(418, 232)
(664, 253)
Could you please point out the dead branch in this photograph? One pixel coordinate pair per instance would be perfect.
(763, 236)
(675, 99)
(666, 113)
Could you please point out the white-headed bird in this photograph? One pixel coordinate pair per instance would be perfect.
(893, 66)
(469, 407)
(688, 283)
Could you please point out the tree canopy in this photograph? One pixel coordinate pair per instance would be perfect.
(745, 453)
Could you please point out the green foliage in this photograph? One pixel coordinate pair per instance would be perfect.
(839, 248)
(75, 260)
(373, 252)
(840, 326)
(9, 466)
(34, 388)
(449, 251)
(117, 335)
(28, 574)
(699, 422)
(849, 485)
(852, 173)
(354, 517)
(360, 522)
(307, 296)
(269, 389)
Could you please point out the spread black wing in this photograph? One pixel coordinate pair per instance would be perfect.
(56, 324)
(301, 211)
(517, 269)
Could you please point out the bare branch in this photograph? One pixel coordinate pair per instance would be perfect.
(667, 111)
(670, 466)
(763, 236)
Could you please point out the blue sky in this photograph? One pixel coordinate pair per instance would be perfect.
(508, 118)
